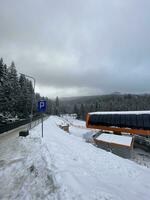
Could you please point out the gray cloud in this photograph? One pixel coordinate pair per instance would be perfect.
(78, 47)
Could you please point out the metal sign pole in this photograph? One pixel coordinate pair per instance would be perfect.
(42, 108)
(42, 125)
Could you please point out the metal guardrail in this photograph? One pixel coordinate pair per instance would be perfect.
(13, 125)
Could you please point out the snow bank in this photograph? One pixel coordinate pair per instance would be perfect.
(24, 172)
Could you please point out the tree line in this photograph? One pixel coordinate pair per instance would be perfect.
(16, 93)
(112, 102)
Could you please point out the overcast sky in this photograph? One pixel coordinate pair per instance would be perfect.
(78, 47)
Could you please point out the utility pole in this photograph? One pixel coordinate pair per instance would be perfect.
(32, 99)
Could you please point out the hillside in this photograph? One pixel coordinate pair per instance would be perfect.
(110, 102)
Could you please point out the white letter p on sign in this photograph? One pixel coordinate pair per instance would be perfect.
(41, 104)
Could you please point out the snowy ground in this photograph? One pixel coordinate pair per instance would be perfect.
(62, 166)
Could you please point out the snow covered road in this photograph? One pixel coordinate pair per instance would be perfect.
(24, 172)
(62, 166)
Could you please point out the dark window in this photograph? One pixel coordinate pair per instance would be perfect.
(146, 121)
(139, 121)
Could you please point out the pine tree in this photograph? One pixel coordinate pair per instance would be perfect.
(22, 104)
(4, 87)
(13, 89)
(1, 69)
(57, 106)
(76, 110)
(37, 98)
(92, 109)
(1, 85)
(49, 106)
(96, 106)
(82, 111)
(30, 96)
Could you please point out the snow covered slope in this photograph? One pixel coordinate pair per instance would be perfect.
(78, 170)
(86, 172)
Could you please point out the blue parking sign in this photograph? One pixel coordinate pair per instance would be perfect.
(42, 106)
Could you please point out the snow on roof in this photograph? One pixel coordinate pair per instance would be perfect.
(122, 112)
(117, 139)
